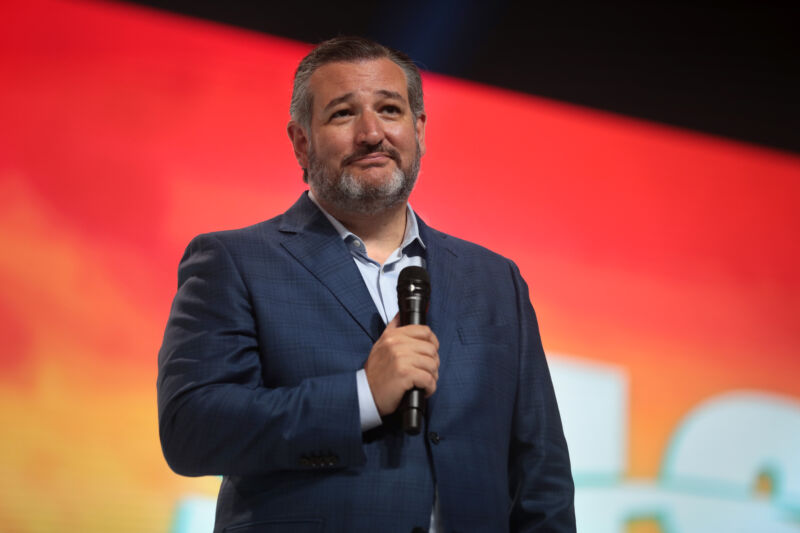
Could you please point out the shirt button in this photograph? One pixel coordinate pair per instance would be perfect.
(434, 437)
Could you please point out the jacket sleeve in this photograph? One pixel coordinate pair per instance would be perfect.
(216, 416)
(539, 468)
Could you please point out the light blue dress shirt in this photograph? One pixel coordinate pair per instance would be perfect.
(381, 281)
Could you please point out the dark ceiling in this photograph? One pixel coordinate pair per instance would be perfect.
(731, 71)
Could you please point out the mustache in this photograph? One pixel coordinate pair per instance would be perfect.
(378, 148)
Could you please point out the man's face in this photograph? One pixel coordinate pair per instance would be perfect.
(363, 146)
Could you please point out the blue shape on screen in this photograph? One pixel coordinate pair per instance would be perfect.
(194, 514)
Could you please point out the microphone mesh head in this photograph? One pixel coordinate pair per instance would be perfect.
(414, 280)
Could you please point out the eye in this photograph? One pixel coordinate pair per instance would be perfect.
(341, 113)
(391, 109)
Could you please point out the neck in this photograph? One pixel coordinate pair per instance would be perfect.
(382, 232)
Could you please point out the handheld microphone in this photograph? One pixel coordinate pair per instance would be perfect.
(413, 295)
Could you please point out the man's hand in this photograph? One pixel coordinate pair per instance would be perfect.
(403, 358)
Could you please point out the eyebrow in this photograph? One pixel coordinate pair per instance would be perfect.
(390, 94)
(345, 97)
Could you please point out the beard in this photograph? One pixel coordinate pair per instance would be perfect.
(348, 193)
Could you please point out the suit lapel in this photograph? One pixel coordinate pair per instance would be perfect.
(443, 269)
(312, 240)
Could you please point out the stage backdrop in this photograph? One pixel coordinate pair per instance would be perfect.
(663, 265)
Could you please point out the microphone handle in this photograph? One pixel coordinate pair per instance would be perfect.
(413, 407)
(413, 404)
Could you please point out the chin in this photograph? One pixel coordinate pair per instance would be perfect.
(364, 190)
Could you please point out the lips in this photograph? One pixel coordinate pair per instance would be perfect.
(373, 158)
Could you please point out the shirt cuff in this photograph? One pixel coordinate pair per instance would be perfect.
(367, 410)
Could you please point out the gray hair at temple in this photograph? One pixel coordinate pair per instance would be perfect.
(349, 49)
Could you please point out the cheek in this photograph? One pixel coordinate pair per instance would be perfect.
(403, 138)
(331, 146)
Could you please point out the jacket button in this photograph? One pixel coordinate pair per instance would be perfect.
(434, 437)
(305, 461)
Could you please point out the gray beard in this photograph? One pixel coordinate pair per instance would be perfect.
(348, 194)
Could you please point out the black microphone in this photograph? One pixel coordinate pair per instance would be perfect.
(413, 295)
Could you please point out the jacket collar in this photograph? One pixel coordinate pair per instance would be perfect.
(312, 240)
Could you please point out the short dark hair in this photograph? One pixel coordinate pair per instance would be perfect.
(350, 49)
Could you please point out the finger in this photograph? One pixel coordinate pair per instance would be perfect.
(428, 364)
(426, 382)
(409, 337)
(421, 332)
(435, 340)
(394, 322)
(410, 347)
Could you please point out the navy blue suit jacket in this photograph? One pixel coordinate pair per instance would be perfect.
(257, 383)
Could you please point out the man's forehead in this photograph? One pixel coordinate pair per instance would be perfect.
(381, 77)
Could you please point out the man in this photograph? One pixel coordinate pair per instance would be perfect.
(283, 362)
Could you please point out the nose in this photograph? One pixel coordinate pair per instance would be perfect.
(369, 129)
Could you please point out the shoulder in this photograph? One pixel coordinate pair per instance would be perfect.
(473, 265)
(301, 217)
(236, 250)
(468, 251)
(233, 239)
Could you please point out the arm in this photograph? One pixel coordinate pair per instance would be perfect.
(215, 414)
(539, 468)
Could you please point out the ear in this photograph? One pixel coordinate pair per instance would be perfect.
(420, 128)
(299, 142)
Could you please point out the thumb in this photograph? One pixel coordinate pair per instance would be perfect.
(395, 322)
